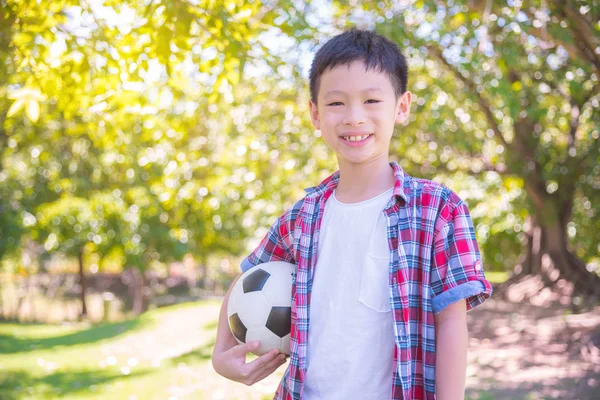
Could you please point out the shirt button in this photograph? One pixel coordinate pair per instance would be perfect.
(477, 266)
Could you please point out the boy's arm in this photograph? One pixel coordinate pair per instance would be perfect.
(458, 284)
(451, 337)
(229, 357)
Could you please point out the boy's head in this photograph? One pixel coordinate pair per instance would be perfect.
(358, 93)
(375, 51)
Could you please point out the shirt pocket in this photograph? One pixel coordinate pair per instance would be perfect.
(373, 286)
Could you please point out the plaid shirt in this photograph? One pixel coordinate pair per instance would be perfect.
(434, 262)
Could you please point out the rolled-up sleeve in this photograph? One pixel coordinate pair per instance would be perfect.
(456, 268)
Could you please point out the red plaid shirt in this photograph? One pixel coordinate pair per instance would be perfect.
(434, 262)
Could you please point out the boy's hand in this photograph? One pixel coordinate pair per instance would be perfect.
(232, 363)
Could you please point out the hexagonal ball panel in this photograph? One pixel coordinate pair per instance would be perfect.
(278, 288)
(253, 309)
(268, 340)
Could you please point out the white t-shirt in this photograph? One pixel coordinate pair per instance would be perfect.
(351, 336)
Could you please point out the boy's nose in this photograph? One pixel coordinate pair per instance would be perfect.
(355, 116)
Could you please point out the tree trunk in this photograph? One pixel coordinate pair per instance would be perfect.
(552, 214)
(535, 246)
(202, 272)
(141, 298)
(571, 268)
(530, 262)
(546, 255)
(83, 283)
(22, 295)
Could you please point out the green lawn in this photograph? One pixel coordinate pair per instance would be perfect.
(164, 354)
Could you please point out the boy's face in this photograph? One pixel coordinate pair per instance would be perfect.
(356, 112)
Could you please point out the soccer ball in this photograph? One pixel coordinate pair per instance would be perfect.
(260, 306)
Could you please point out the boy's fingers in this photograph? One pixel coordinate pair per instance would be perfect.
(243, 349)
(268, 369)
(274, 363)
(262, 361)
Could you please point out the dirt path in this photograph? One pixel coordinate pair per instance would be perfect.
(522, 351)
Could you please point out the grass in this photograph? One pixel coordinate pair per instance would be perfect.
(27, 338)
(163, 354)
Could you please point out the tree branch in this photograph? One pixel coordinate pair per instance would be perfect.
(483, 103)
(579, 162)
(583, 32)
(573, 49)
(556, 86)
(594, 91)
(531, 171)
(573, 124)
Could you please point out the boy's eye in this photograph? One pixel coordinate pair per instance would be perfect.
(337, 103)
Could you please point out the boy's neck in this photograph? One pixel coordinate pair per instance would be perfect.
(364, 181)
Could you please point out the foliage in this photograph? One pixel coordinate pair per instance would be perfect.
(142, 131)
(116, 134)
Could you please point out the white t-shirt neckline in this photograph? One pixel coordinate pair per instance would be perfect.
(363, 202)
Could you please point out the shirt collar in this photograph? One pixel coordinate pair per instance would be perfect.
(401, 185)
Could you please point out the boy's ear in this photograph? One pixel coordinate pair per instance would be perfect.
(403, 107)
(314, 114)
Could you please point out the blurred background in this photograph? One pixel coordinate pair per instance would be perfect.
(146, 146)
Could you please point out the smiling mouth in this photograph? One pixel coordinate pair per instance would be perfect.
(356, 138)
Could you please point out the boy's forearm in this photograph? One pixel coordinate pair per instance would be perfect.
(452, 339)
(225, 339)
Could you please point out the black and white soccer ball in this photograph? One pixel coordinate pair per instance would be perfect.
(260, 306)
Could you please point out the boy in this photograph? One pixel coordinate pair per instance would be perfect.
(387, 264)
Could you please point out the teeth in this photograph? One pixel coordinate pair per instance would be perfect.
(356, 138)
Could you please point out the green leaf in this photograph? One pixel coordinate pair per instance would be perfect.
(15, 107)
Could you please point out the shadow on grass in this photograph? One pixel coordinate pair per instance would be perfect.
(18, 384)
(10, 344)
(198, 355)
(478, 395)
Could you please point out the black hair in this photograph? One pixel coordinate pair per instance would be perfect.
(375, 50)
